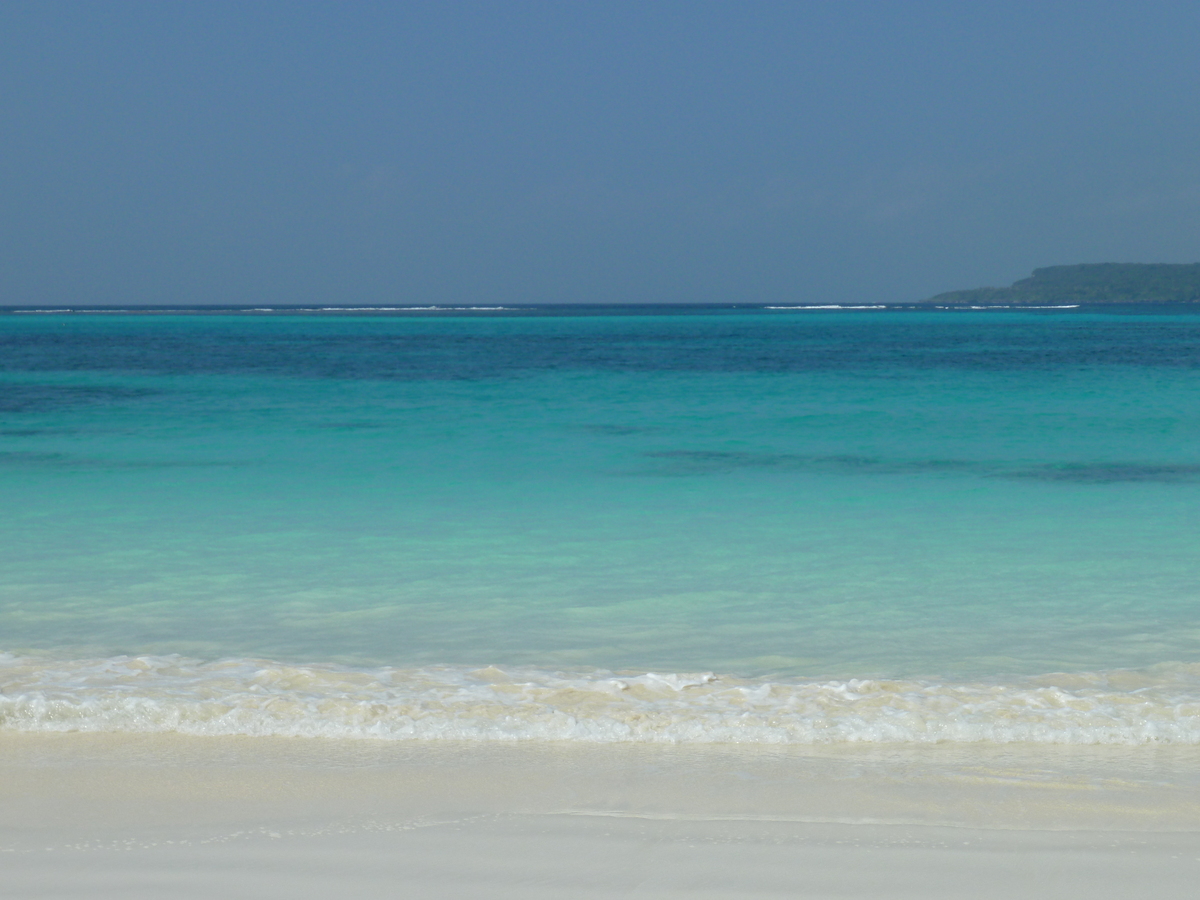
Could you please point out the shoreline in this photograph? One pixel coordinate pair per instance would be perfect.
(248, 697)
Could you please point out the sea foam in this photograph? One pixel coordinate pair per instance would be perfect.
(159, 694)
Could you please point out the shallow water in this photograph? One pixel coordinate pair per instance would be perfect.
(959, 500)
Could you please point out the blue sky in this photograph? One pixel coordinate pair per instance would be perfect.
(605, 152)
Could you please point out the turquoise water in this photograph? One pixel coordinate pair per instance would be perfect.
(780, 497)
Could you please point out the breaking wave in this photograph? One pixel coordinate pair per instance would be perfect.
(258, 697)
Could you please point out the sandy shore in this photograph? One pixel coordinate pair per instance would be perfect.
(145, 816)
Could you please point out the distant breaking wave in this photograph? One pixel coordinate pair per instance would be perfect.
(161, 694)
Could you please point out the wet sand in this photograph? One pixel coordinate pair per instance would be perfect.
(152, 816)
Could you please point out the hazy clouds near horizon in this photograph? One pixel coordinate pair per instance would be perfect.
(589, 151)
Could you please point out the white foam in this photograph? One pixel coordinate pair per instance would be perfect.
(826, 306)
(55, 311)
(1022, 306)
(259, 697)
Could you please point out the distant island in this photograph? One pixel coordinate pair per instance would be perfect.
(1089, 283)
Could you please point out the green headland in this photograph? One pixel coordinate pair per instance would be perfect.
(1089, 283)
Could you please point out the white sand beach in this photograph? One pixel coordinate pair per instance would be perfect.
(135, 816)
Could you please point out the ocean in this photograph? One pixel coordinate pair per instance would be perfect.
(760, 525)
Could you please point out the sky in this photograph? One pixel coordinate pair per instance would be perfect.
(587, 152)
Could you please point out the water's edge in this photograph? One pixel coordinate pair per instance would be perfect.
(255, 697)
